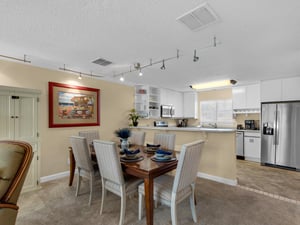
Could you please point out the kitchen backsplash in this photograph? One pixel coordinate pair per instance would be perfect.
(240, 118)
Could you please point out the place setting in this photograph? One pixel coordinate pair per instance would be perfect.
(163, 156)
(131, 156)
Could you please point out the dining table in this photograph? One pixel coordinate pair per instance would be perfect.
(146, 168)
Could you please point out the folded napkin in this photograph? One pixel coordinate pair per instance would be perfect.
(129, 152)
(160, 151)
(151, 145)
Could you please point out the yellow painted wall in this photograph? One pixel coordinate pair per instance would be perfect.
(115, 102)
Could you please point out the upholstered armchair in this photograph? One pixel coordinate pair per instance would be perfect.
(15, 159)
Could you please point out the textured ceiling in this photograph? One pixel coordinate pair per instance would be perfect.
(258, 39)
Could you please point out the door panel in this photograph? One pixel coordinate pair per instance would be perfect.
(268, 113)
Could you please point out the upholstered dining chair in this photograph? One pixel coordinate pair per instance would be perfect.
(137, 137)
(83, 162)
(15, 159)
(90, 135)
(165, 140)
(112, 176)
(172, 190)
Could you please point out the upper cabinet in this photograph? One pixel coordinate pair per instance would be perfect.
(280, 90)
(190, 105)
(174, 98)
(246, 98)
(147, 101)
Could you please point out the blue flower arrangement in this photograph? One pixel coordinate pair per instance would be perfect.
(123, 133)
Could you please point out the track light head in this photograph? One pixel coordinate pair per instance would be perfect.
(122, 78)
(163, 65)
(196, 58)
(80, 77)
(140, 73)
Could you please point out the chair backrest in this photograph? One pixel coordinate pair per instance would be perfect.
(165, 140)
(81, 153)
(90, 135)
(15, 159)
(137, 137)
(109, 161)
(188, 163)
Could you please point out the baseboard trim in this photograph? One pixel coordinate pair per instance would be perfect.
(199, 174)
(217, 179)
(54, 176)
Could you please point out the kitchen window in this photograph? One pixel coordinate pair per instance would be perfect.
(217, 112)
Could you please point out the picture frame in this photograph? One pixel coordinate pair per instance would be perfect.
(73, 106)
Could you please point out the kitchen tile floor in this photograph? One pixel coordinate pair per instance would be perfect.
(278, 183)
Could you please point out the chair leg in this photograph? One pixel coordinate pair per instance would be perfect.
(78, 182)
(103, 195)
(91, 187)
(192, 203)
(141, 205)
(123, 205)
(173, 211)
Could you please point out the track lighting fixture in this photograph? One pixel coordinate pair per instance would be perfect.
(80, 77)
(163, 65)
(196, 58)
(140, 73)
(122, 78)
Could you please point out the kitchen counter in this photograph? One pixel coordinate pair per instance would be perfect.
(193, 129)
(218, 159)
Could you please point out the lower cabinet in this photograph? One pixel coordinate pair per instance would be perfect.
(252, 146)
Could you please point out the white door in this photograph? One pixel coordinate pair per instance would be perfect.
(18, 121)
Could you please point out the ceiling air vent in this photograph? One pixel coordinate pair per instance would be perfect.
(102, 62)
(198, 18)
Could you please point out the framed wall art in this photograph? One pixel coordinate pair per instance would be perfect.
(73, 106)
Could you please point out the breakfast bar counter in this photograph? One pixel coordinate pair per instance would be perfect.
(218, 160)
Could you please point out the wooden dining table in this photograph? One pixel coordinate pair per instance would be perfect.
(147, 169)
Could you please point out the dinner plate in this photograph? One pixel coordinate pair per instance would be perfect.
(136, 159)
(160, 159)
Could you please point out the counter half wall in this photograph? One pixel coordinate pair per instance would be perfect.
(218, 159)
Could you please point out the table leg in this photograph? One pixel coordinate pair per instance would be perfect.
(148, 185)
(72, 166)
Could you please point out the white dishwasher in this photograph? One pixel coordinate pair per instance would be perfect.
(252, 145)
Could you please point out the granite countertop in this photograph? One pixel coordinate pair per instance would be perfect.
(194, 129)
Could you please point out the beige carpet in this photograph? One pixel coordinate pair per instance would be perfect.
(218, 204)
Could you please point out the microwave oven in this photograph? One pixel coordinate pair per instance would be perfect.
(167, 111)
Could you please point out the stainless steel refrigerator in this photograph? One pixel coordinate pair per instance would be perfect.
(280, 136)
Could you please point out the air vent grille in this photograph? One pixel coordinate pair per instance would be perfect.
(102, 62)
(198, 18)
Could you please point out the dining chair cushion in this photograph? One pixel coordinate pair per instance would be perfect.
(163, 186)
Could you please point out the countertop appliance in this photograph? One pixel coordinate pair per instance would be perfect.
(240, 145)
(160, 123)
(251, 125)
(280, 142)
(167, 111)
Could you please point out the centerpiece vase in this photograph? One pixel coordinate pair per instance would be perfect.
(124, 144)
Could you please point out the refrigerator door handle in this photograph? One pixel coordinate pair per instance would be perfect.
(277, 130)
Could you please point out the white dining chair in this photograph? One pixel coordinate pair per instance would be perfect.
(137, 137)
(172, 190)
(83, 162)
(166, 141)
(112, 176)
(90, 135)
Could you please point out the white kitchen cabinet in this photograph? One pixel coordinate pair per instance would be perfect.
(246, 97)
(290, 89)
(271, 90)
(190, 105)
(147, 101)
(18, 121)
(280, 90)
(174, 98)
(239, 97)
(252, 146)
